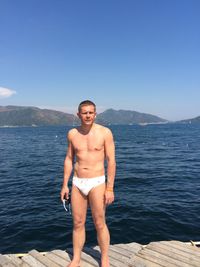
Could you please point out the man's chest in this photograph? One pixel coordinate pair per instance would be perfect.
(88, 143)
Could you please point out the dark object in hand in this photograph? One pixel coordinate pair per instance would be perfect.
(68, 200)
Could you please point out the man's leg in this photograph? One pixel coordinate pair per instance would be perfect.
(96, 200)
(79, 210)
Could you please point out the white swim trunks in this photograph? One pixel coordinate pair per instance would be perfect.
(86, 184)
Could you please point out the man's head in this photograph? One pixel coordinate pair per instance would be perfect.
(86, 103)
(87, 112)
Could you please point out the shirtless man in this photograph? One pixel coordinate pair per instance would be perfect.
(90, 144)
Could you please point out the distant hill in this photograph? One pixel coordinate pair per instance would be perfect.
(33, 116)
(194, 120)
(111, 116)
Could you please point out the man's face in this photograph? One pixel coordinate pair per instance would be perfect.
(87, 114)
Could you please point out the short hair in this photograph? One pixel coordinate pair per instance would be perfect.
(86, 103)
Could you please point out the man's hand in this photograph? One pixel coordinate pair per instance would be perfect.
(109, 197)
(64, 193)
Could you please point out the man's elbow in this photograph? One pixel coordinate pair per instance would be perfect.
(68, 161)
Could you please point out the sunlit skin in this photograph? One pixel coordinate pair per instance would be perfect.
(90, 144)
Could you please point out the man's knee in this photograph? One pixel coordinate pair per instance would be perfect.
(78, 223)
(99, 223)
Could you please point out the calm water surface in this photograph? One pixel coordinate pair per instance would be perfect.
(157, 187)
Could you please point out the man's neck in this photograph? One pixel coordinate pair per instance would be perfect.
(86, 128)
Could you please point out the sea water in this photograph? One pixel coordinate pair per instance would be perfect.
(157, 187)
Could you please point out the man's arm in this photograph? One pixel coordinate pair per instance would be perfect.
(68, 166)
(111, 166)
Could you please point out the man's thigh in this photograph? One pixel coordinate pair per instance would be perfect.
(79, 205)
(97, 202)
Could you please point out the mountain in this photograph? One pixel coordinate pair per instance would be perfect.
(31, 116)
(111, 116)
(193, 120)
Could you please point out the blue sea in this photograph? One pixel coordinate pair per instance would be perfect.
(157, 187)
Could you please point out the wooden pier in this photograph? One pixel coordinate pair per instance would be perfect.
(155, 254)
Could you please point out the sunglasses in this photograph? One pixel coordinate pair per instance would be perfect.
(67, 204)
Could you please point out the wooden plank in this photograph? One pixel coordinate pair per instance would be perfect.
(55, 258)
(159, 257)
(67, 256)
(120, 250)
(5, 261)
(182, 246)
(31, 261)
(174, 253)
(14, 259)
(24, 264)
(184, 249)
(122, 259)
(118, 254)
(62, 254)
(9, 264)
(113, 261)
(141, 262)
(88, 259)
(185, 245)
(42, 259)
(134, 246)
(151, 260)
(131, 247)
(17, 261)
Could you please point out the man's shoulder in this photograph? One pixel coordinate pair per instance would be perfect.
(72, 132)
(103, 129)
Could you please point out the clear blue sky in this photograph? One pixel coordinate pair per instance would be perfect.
(141, 55)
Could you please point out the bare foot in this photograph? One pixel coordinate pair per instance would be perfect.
(74, 263)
